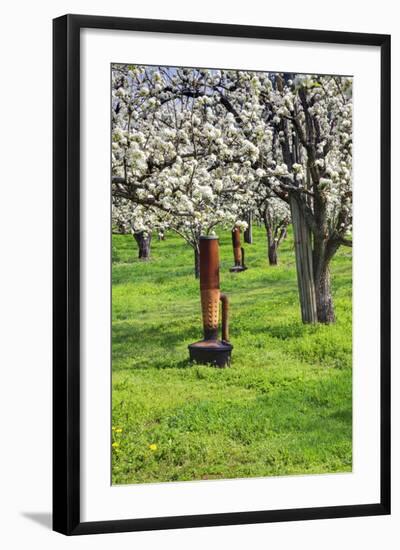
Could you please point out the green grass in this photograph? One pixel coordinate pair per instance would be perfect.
(283, 407)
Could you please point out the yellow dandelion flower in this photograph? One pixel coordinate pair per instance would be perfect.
(115, 445)
(118, 430)
(153, 447)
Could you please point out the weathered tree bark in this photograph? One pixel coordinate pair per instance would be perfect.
(323, 252)
(323, 293)
(196, 262)
(272, 244)
(304, 264)
(272, 253)
(143, 241)
(276, 233)
(248, 234)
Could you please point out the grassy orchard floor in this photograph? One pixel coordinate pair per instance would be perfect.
(284, 406)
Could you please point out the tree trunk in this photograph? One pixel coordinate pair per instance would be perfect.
(248, 234)
(272, 253)
(304, 264)
(324, 250)
(196, 263)
(325, 310)
(272, 244)
(143, 241)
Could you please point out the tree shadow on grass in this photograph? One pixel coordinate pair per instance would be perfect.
(152, 346)
(124, 333)
(162, 364)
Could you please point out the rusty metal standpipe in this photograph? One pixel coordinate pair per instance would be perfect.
(238, 252)
(211, 350)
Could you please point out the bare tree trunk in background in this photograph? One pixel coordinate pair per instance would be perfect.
(248, 234)
(143, 241)
(271, 243)
(276, 233)
(272, 253)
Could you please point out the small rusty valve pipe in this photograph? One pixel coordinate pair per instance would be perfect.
(211, 350)
(238, 252)
(225, 317)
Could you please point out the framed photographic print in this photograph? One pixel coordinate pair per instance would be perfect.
(221, 274)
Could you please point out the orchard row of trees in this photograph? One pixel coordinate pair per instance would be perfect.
(193, 149)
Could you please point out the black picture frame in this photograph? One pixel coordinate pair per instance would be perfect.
(66, 274)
